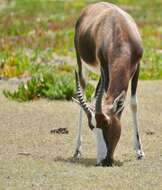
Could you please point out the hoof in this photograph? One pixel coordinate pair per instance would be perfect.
(140, 155)
(77, 155)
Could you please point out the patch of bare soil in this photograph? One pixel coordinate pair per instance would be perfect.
(31, 157)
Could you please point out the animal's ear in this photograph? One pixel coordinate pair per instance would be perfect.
(118, 103)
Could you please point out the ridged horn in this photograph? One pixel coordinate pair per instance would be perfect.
(80, 97)
(100, 92)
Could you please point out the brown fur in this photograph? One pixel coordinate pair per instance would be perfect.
(107, 36)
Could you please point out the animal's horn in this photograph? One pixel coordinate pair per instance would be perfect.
(100, 92)
(80, 97)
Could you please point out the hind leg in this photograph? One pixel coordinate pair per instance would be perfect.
(133, 104)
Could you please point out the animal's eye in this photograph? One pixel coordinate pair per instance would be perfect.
(120, 103)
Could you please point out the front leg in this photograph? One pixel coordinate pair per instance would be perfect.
(77, 154)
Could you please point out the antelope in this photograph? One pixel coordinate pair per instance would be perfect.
(107, 41)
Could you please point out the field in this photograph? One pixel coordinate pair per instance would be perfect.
(33, 158)
(35, 37)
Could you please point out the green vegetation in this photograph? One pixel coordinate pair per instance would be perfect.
(48, 82)
(14, 64)
(151, 67)
(32, 31)
(46, 85)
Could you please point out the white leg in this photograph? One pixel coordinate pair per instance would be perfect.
(77, 153)
(101, 145)
(136, 137)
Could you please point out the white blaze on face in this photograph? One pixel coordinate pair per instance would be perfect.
(93, 121)
(101, 145)
(100, 142)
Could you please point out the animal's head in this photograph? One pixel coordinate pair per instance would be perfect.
(103, 116)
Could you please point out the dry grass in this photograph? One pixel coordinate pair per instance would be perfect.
(25, 128)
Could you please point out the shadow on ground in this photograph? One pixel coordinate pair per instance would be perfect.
(87, 162)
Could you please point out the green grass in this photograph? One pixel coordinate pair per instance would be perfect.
(48, 82)
(151, 67)
(47, 85)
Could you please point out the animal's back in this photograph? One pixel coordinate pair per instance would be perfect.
(102, 25)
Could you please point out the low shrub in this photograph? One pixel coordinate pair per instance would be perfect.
(51, 84)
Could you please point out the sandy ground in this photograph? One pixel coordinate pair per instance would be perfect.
(32, 158)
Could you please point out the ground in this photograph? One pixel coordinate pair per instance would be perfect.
(33, 158)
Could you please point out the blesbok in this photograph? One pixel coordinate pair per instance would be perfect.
(107, 40)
